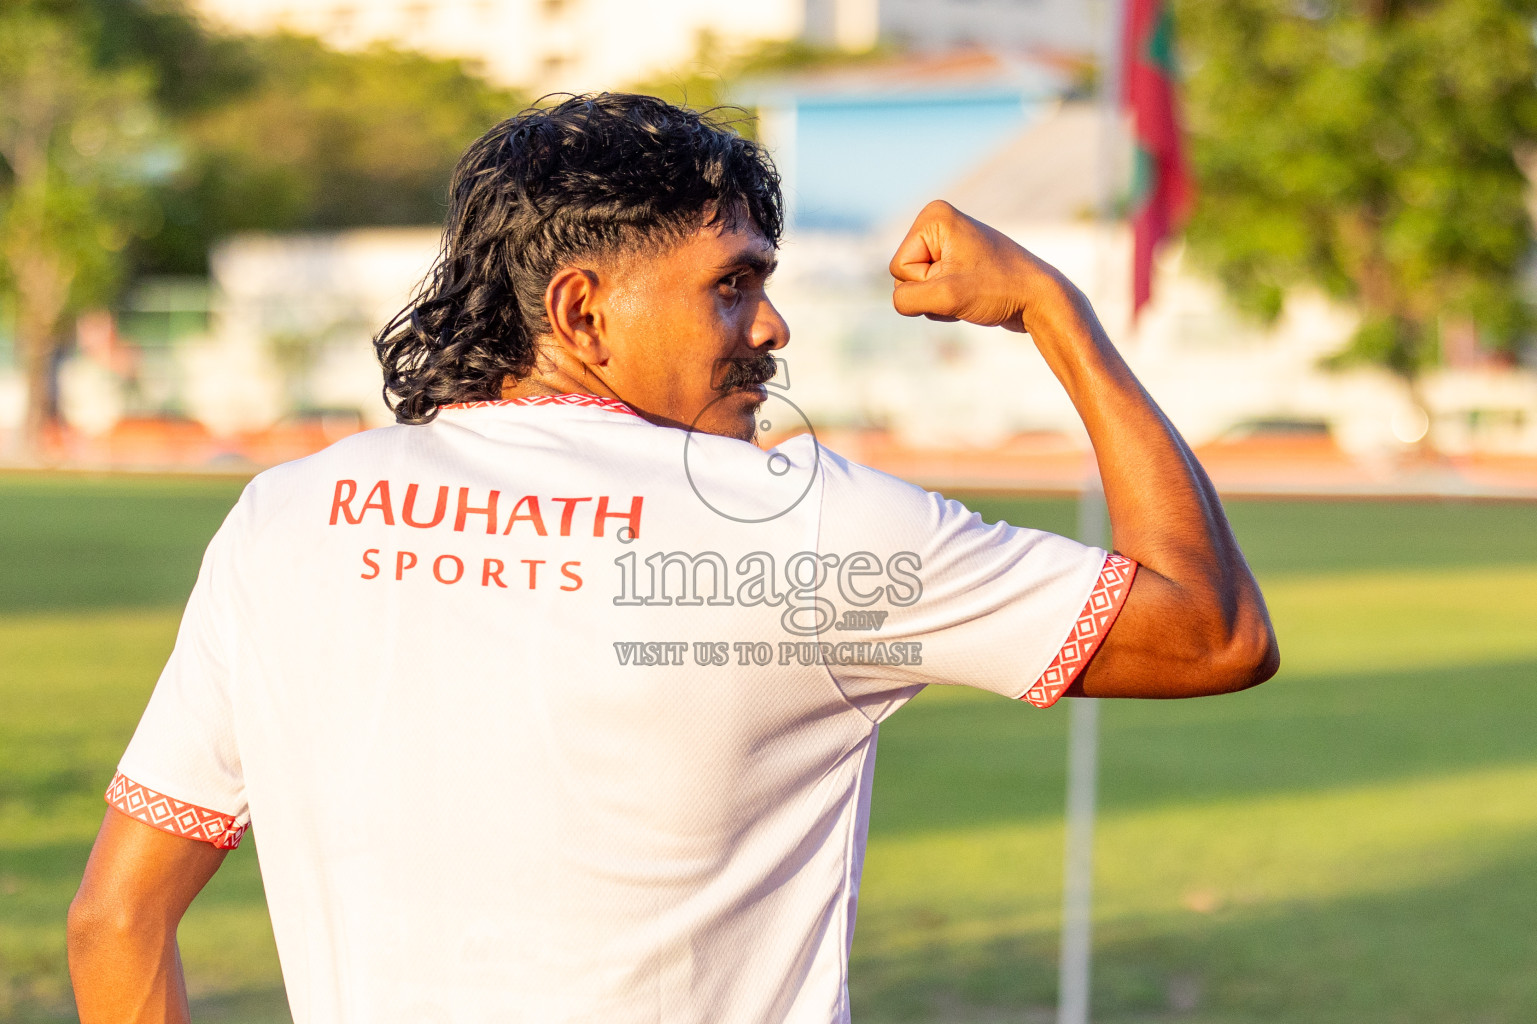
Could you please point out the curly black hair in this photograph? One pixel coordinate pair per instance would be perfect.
(591, 176)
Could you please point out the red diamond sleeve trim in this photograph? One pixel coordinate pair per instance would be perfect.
(1098, 615)
(169, 815)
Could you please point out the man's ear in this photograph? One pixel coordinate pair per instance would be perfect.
(572, 309)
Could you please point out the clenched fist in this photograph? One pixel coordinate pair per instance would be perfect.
(953, 267)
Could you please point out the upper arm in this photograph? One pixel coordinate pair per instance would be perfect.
(991, 606)
(139, 875)
(182, 771)
(1168, 642)
(177, 804)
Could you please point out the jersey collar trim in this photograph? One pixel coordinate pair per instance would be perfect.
(571, 399)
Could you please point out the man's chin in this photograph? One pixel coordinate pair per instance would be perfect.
(736, 414)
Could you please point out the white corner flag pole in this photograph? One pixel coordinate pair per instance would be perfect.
(1093, 528)
(1082, 772)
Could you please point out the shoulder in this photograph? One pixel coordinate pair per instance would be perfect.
(277, 491)
(855, 490)
(861, 505)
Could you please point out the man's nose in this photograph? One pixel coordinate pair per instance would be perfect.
(769, 330)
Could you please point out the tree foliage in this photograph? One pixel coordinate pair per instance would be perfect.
(280, 132)
(323, 139)
(132, 137)
(189, 67)
(1369, 147)
(75, 145)
(716, 71)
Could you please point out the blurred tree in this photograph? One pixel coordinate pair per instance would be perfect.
(1368, 147)
(322, 139)
(192, 67)
(75, 147)
(281, 132)
(708, 78)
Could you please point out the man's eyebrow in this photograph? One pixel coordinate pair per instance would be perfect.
(759, 262)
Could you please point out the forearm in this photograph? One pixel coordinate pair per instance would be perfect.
(1164, 511)
(125, 973)
(1194, 621)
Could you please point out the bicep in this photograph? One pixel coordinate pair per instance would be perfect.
(1158, 647)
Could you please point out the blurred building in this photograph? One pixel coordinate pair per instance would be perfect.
(271, 356)
(862, 149)
(579, 45)
(292, 322)
(858, 145)
(268, 359)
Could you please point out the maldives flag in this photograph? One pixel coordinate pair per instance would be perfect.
(1161, 189)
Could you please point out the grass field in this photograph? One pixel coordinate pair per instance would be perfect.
(1355, 841)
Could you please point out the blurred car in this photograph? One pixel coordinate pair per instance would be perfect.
(160, 439)
(300, 434)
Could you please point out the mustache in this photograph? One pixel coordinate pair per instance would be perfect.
(744, 374)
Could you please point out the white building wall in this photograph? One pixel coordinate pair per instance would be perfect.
(543, 45)
(854, 362)
(1068, 26)
(328, 293)
(580, 45)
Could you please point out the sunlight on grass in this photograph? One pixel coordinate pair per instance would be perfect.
(1312, 846)
(1412, 619)
(1353, 843)
(72, 690)
(1312, 851)
(966, 902)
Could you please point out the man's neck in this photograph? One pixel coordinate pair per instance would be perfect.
(527, 387)
(554, 376)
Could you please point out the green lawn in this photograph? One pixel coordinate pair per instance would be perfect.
(1355, 841)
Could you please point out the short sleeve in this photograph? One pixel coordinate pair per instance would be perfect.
(1012, 610)
(181, 771)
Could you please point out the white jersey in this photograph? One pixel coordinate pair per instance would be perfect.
(545, 713)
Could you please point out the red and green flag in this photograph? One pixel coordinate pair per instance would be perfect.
(1162, 189)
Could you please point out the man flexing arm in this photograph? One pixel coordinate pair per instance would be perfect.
(1195, 622)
